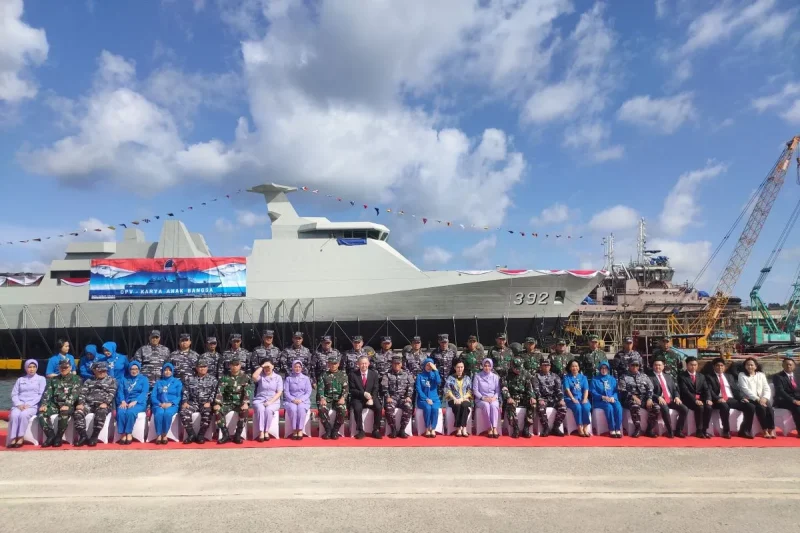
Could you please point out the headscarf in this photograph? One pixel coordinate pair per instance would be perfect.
(92, 349)
(27, 364)
(604, 380)
(111, 347)
(297, 361)
(171, 367)
(137, 364)
(491, 366)
(428, 374)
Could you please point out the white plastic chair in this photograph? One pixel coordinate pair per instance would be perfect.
(196, 425)
(551, 418)
(734, 419)
(69, 434)
(661, 429)
(520, 414)
(105, 433)
(398, 417)
(174, 433)
(33, 433)
(332, 418)
(419, 419)
(599, 422)
(367, 419)
(450, 421)
(306, 424)
(482, 421)
(571, 425)
(231, 419)
(139, 428)
(784, 421)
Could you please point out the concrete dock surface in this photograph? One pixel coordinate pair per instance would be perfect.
(405, 489)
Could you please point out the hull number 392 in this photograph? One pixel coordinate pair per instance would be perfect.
(530, 298)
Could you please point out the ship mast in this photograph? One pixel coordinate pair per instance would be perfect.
(641, 242)
(608, 254)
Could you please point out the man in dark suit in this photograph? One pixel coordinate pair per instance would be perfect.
(666, 393)
(694, 395)
(726, 395)
(364, 392)
(787, 391)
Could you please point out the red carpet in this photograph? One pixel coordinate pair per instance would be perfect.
(455, 442)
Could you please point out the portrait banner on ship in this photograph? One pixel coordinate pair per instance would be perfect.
(197, 277)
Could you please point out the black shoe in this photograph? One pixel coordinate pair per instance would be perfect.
(189, 438)
(402, 434)
(376, 434)
(50, 437)
(58, 440)
(670, 433)
(745, 435)
(237, 439)
(360, 435)
(200, 439)
(392, 434)
(707, 435)
(82, 440)
(650, 433)
(681, 434)
(545, 432)
(92, 442)
(325, 435)
(636, 433)
(726, 433)
(223, 436)
(515, 433)
(699, 434)
(556, 432)
(526, 433)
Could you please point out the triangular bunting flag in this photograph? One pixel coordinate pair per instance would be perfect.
(377, 211)
(424, 220)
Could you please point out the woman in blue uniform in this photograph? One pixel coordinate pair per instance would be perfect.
(428, 395)
(604, 396)
(165, 400)
(576, 395)
(131, 400)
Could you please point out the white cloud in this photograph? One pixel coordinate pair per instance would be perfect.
(436, 256)
(223, 225)
(687, 258)
(248, 219)
(661, 115)
(555, 214)
(479, 251)
(593, 136)
(661, 8)
(788, 99)
(680, 206)
(618, 217)
(21, 47)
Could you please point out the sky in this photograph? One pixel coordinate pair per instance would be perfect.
(557, 117)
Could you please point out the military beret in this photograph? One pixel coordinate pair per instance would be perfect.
(298, 335)
(235, 360)
(666, 338)
(155, 333)
(185, 337)
(211, 340)
(397, 358)
(201, 362)
(358, 338)
(326, 338)
(634, 362)
(628, 339)
(236, 336)
(268, 333)
(472, 338)
(529, 340)
(516, 362)
(333, 358)
(500, 336)
(444, 337)
(544, 361)
(98, 365)
(386, 339)
(561, 341)
(594, 338)
(416, 339)
(64, 363)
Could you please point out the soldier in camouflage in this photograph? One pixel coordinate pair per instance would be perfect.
(97, 396)
(518, 393)
(296, 352)
(397, 390)
(673, 359)
(559, 357)
(637, 392)
(531, 356)
(381, 362)
(235, 351)
(443, 356)
(199, 394)
(266, 352)
(60, 397)
(622, 360)
(472, 356)
(549, 393)
(332, 393)
(233, 394)
(591, 360)
(153, 356)
(350, 358)
(184, 359)
(212, 357)
(413, 357)
(320, 360)
(501, 355)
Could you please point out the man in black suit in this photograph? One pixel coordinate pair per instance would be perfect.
(726, 395)
(666, 393)
(787, 391)
(364, 392)
(694, 395)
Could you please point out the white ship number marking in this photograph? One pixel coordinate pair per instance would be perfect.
(531, 298)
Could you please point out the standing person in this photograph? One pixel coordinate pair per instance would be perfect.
(296, 399)
(501, 355)
(198, 396)
(604, 396)
(213, 358)
(164, 401)
(518, 392)
(152, 356)
(62, 354)
(184, 359)
(132, 394)
(90, 355)
(487, 393)
(695, 395)
(320, 360)
(471, 356)
(549, 394)
(295, 352)
(60, 397)
(666, 393)
(233, 394)
(754, 386)
(637, 393)
(97, 396)
(443, 356)
(427, 387)
(382, 360)
(559, 358)
(117, 363)
(531, 356)
(787, 392)
(590, 361)
(414, 356)
(266, 351)
(332, 393)
(365, 393)
(725, 395)
(576, 395)
(267, 399)
(673, 359)
(458, 395)
(25, 399)
(622, 361)
(397, 391)
(350, 358)
(235, 352)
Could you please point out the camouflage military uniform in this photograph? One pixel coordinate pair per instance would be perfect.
(225, 361)
(559, 362)
(197, 392)
(530, 361)
(519, 388)
(381, 362)
(640, 386)
(333, 387)
(501, 357)
(290, 354)
(184, 363)
(152, 359)
(443, 359)
(94, 393)
(350, 360)
(61, 391)
(589, 362)
(673, 362)
(214, 360)
(412, 361)
(472, 361)
(264, 353)
(319, 363)
(549, 394)
(400, 388)
(623, 360)
(232, 392)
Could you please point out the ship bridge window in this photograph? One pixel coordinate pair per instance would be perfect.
(560, 295)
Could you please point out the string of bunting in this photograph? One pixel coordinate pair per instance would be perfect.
(398, 212)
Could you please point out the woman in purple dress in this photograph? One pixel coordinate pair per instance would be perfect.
(25, 398)
(266, 404)
(297, 399)
(486, 391)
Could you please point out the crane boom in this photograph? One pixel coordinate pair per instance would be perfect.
(730, 276)
(793, 308)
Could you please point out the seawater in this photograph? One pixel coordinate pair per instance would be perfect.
(6, 384)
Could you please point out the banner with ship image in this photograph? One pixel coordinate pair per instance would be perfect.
(197, 277)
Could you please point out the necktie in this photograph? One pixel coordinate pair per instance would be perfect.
(664, 389)
(722, 388)
(791, 379)
(363, 380)
(694, 382)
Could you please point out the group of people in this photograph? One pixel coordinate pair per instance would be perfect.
(491, 384)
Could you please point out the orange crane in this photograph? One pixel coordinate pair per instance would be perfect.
(764, 200)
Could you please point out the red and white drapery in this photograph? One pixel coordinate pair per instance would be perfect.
(75, 282)
(21, 279)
